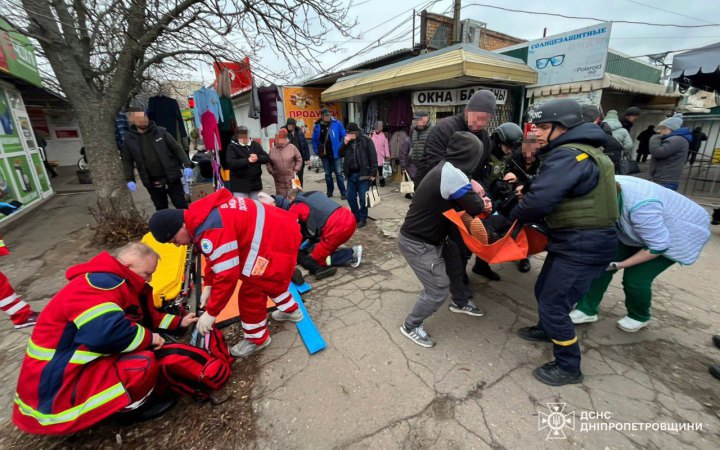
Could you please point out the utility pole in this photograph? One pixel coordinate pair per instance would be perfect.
(456, 23)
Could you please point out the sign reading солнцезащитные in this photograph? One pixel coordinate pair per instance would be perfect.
(578, 55)
(451, 97)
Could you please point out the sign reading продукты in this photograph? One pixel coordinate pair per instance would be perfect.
(451, 97)
(578, 55)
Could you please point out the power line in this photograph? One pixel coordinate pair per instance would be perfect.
(590, 18)
(668, 11)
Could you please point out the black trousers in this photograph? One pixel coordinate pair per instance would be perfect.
(300, 174)
(641, 157)
(174, 190)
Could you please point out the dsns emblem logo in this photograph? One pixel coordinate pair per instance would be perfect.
(534, 114)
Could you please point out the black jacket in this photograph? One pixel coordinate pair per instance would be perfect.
(297, 138)
(563, 175)
(362, 150)
(437, 141)
(446, 186)
(644, 141)
(244, 175)
(171, 154)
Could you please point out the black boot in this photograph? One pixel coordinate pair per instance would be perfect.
(153, 408)
(554, 375)
(715, 371)
(716, 340)
(324, 272)
(524, 265)
(534, 333)
(716, 217)
(318, 271)
(483, 268)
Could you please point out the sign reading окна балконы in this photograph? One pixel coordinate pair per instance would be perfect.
(452, 97)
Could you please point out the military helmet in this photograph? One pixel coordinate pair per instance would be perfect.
(509, 134)
(565, 111)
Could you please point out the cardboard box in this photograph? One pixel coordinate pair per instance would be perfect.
(200, 190)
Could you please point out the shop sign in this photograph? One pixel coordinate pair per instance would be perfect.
(304, 105)
(584, 98)
(578, 55)
(451, 97)
(17, 55)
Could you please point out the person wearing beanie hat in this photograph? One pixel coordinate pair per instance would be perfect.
(669, 150)
(327, 138)
(575, 195)
(360, 169)
(476, 117)
(285, 162)
(382, 149)
(631, 115)
(242, 240)
(423, 238)
(297, 138)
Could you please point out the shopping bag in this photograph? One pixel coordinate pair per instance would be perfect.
(407, 186)
(372, 196)
(296, 183)
(387, 169)
(515, 245)
(627, 165)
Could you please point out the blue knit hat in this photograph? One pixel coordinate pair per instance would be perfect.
(672, 123)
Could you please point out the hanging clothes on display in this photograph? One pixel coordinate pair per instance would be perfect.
(165, 112)
(400, 113)
(122, 126)
(254, 110)
(396, 141)
(210, 132)
(269, 97)
(226, 127)
(371, 116)
(206, 99)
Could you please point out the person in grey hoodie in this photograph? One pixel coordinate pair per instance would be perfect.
(669, 151)
(618, 132)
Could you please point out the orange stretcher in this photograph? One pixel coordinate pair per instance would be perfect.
(515, 245)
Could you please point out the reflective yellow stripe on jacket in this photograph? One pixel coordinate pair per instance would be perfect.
(96, 311)
(73, 413)
(166, 321)
(46, 354)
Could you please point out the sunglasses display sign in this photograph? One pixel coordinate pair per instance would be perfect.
(578, 55)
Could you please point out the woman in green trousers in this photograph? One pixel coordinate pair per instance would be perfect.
(657, 228)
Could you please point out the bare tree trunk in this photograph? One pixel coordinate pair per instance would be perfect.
(97, 123)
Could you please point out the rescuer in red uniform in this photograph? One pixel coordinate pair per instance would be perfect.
(242, 240)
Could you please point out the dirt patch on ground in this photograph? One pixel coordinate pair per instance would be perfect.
(189, 425)
(680, 368)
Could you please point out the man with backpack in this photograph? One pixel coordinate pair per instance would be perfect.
(97, 350)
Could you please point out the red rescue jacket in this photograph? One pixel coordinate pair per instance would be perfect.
(243, 239)
(67, 380)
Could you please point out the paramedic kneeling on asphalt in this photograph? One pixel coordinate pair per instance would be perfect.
(575, 194)
(243, 240)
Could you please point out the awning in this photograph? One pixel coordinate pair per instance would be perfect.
(699, 67)
(452, 67)
(609, 81)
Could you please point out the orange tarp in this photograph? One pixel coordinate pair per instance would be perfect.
(231, 310)
(527, 242)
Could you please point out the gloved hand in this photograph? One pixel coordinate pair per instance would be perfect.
(613, 266)
(205, 296)
(205, 323)
(131, 185)
(188, 173)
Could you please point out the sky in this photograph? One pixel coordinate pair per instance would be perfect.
(390, 21)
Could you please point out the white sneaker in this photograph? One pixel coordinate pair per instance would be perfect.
(280, 316)
(631, 325)
(579, 317)
(246, 348)
(357, 256)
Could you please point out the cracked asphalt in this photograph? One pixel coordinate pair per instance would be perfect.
(373, 388)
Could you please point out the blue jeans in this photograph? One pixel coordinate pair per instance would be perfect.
(356, 191)
(330, 166)
(671, 186)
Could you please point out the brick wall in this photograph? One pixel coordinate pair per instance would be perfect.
(489, 40)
